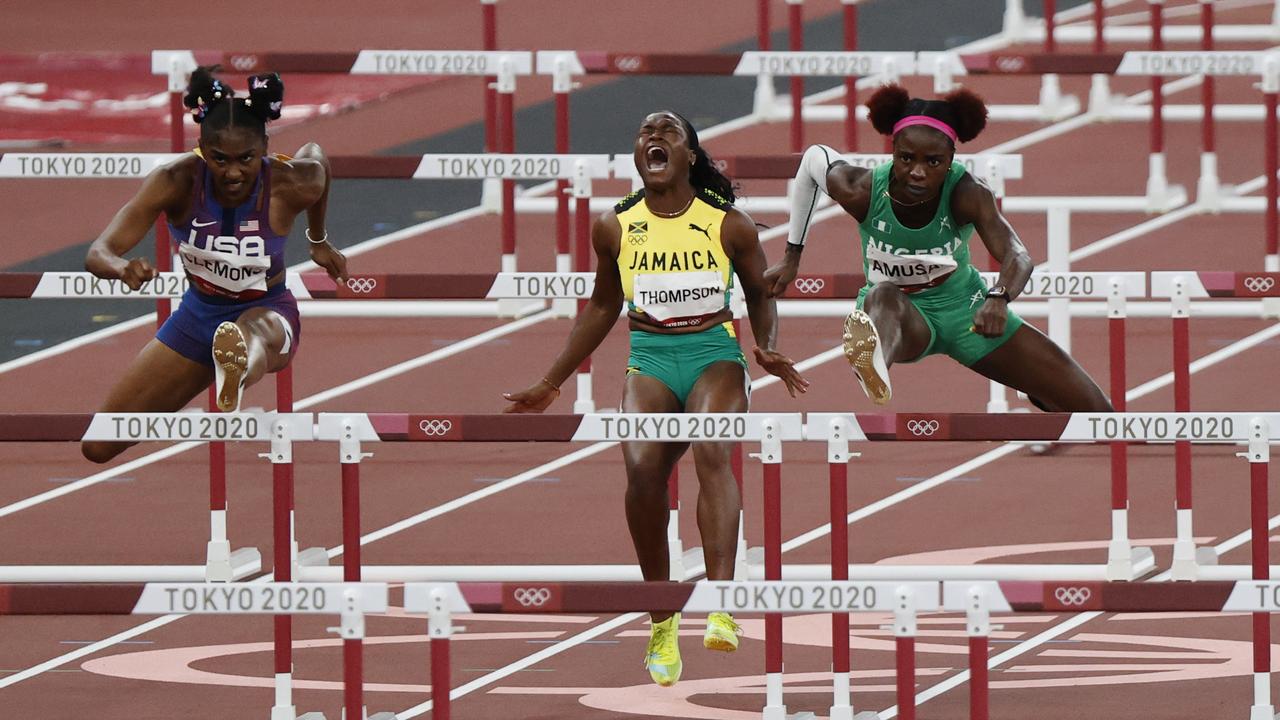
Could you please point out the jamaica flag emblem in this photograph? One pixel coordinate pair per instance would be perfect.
(638, 232)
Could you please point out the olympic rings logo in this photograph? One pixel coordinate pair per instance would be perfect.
(923, 428)
(1072, 596)
(532, 597)
(627, 63)
(1259, 284)
(809, 286)
(362, 285)
(244, 62)
(1011, 63)
(435, 427)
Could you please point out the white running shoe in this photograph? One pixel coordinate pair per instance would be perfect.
(862, 350)
(230, 365)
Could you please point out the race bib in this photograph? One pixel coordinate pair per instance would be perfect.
(672, 297)
(228, 273)
(906, 270)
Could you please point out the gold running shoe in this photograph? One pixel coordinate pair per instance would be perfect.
(662, 657)
(862, 350)
(230, 365)
(722, 632)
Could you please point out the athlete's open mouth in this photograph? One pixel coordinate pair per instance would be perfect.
(655, 158)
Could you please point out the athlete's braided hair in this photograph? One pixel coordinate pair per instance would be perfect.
(962, 109)
(214, 105)
(704, 175)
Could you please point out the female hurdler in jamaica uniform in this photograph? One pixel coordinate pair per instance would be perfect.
(923, 296)
(230, 208)
(670, 252)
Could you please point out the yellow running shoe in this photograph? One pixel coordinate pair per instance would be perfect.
(230, 365)
(722, 632)
(662, 657)
(862, 350)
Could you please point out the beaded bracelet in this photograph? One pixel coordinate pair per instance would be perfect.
(551, 385)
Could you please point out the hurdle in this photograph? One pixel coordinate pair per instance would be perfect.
(349, 601)
(1192, 563)
(193, 428)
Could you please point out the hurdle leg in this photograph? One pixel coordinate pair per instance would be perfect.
(353, 642)
(795, 35)
(439, 629)
(740, 552)
(1124, 562)
(506, 88)
(1185, 565)
(1271, 91)
(281, 457)
(675, 548)
(771, 456)
(1259, 457)
(978, 622)
(585, 402)
(1208, 188)
(561, 84)
(904, 631)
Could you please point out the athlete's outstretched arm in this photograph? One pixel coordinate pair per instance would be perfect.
(593, 324)
(738, 234)
(160, 192)
(312, 196)
(821, 171)
(973, 202)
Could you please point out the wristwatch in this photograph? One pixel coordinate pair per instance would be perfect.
(998, 292)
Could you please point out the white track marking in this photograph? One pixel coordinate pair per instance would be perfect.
(525, 662)
(79, 342)
(96, 478)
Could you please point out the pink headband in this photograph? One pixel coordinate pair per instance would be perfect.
(934, 123)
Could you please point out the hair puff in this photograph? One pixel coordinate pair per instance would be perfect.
(970, 113)
(886, 106)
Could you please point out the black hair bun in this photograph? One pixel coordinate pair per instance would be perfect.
(266, 96)
(204, 91)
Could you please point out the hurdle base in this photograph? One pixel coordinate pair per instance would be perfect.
(313, 557)
(893, 573)
(1271, 308)
(691, 558)
(232, 565)
(1138, 562)
(845, 712)
(288, 712)
(308, 716)
(1262, 712)
(383, 716)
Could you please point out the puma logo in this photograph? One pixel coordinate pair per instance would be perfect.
(705, 231)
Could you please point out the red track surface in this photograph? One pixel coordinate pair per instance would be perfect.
(1018, 508)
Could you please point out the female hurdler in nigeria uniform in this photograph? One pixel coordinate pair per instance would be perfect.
(923, 295)
(670, 252)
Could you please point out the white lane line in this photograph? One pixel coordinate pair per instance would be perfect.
(311, 401)
(75, 343)
(523, 663)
